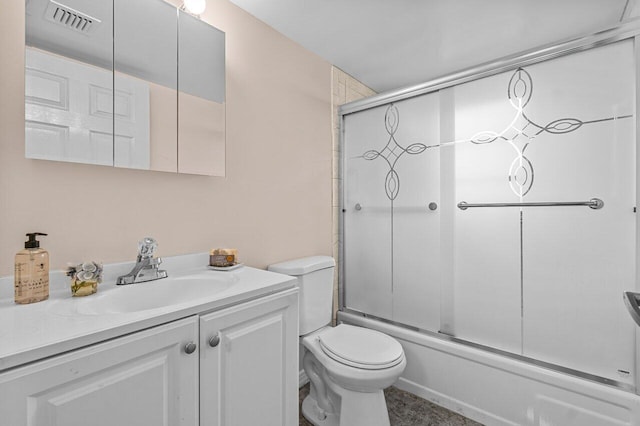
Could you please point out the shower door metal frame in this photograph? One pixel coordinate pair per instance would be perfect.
(624, 31)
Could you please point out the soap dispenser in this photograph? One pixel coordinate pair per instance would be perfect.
(31, 278)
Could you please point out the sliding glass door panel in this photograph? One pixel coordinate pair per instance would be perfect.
(487, 284)
(578, 261)
(416, 215)
(367, 213)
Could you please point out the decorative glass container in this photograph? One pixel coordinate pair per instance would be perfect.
(85, 278)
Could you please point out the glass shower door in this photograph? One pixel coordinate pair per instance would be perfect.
(391, 212)
(578, 261)
(546, 282)
(366, 212)
(456, 218)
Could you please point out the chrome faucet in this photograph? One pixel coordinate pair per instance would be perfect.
(146, 268)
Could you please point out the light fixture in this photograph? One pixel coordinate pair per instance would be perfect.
(195, 7)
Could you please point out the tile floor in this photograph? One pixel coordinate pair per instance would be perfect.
(406, 409)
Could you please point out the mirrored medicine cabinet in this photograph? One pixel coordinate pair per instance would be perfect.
(133, 84)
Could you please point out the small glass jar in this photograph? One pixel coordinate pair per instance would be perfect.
(81, 288)
(85, 278)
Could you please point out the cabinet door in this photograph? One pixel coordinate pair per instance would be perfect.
(144, 379)
(249, 371)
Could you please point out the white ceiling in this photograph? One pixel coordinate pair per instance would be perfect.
(388, 44)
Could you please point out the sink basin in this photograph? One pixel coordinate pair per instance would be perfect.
(146, 296)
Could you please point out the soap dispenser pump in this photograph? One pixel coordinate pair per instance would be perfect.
(31, 277)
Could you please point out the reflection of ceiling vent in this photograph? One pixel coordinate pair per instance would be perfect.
(70, 18)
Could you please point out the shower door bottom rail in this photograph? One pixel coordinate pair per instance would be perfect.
(594, 203)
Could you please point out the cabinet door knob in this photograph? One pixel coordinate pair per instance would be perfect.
(214, 341)
(190, 347)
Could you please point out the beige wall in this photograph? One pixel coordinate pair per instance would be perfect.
(274, 203)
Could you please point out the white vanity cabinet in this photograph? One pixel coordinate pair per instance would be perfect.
(145, 378)
(233, 366)
(248, 363)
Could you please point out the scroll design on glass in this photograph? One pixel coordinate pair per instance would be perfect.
(392, 152)
(519, 133)
(522, 130)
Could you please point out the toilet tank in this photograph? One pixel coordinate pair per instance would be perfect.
(315, 281)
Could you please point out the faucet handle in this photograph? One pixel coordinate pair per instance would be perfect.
(147, 247)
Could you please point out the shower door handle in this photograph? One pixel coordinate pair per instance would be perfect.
(632, 301)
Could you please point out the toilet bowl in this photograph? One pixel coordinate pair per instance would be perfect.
(348, 366)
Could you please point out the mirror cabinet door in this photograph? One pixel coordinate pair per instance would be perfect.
(201, 97)
(69, 81)
(167, 112)
(146, 78)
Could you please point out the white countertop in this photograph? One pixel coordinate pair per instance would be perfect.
(39, 330)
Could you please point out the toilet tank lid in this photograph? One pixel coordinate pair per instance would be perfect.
(303, 266)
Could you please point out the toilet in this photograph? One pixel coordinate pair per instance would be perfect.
(348, 366)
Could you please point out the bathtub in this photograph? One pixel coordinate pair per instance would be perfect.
(494, 389)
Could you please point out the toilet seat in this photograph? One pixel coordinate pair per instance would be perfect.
(360, 347)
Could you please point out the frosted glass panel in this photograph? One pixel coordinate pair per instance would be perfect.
(578, 261)
(416, 233)
(546, 282)
(486, 242)
(391, 235)
(367, 213)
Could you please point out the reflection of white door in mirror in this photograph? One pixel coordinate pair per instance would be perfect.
(68, 111)
(59, 124)
(132, 148)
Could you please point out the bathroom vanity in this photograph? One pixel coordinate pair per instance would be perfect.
(222, 351)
